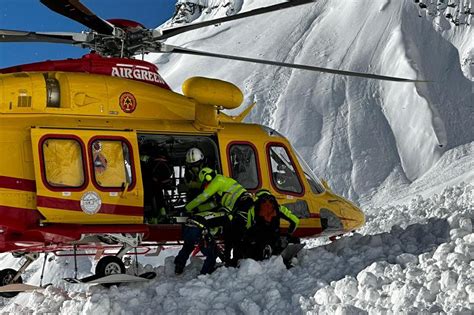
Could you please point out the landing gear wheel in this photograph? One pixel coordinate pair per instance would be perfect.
(109, 265)
(6, 277)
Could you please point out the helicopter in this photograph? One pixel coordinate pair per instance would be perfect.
(75, 132)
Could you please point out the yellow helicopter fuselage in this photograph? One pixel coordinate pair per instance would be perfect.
(73, 146)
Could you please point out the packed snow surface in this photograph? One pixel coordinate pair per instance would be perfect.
(404, 152)
(407, 259)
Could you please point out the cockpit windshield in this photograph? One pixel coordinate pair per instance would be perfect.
(315, 184)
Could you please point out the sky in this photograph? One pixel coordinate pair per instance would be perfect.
(31, 15)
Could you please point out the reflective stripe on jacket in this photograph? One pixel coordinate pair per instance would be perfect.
(287, 215)
(227, 189)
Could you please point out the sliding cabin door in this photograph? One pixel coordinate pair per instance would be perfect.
(87, 176)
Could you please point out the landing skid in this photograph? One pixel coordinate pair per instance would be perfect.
(112, 279)
(20, 287)
(16, 288)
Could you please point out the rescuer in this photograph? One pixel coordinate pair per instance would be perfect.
(233, 201)
(263, 227)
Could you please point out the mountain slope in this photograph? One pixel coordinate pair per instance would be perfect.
(355, 132)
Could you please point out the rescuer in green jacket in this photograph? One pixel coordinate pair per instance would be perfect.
(263, 237)
(231, 196)
(234, 201)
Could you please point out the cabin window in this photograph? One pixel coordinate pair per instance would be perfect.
(244, 165)
(63, 163)
(284, 176)
(111, 163)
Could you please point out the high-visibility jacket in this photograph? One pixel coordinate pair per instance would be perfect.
(283, 213)
(226, 189)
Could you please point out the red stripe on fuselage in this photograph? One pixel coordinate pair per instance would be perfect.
(75, 205)
(17, 183)
(18, 218)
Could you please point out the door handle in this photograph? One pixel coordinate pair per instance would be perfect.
(124, 189)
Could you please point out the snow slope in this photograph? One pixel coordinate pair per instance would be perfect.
(357, 133)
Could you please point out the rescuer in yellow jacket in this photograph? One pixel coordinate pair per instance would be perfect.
(229, 193)
(231, 196)
(234, 201)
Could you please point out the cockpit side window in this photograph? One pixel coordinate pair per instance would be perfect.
(243, 164)
(283, 171)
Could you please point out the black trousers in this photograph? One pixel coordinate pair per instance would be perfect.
(234, 240)
(258, 238)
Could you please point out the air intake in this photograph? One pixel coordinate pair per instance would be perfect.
(53, 95)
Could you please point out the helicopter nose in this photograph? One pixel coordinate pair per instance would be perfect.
(355, 218)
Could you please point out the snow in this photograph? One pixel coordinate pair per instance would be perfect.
(404, 152)
(357, 133)
(408, 258)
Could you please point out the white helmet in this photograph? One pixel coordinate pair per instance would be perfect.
(194, 156)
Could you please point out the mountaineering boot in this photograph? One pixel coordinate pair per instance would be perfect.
(178, 269)
(267, 252)
(208, 272)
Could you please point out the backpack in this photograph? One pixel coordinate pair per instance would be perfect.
(266, 209)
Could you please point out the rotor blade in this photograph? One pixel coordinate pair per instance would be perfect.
(169, 32)
(76, 11)
(181, 50)
(25, 36)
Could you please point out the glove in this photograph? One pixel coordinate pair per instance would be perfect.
(284, 241)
